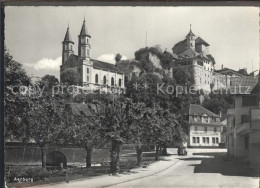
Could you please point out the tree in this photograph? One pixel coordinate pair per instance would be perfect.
(166, 60)
(118, 57)
(45, 124)
(48, 81)
(16, 101)
(118, 117)
(183, 76)
(217, 103)
(81, 129)
(70, 77)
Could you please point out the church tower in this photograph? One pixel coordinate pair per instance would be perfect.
(84, 43)
(191, 40)
(67, 46)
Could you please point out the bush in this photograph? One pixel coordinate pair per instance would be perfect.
(27, 173)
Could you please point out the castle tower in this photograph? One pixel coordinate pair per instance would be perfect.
(84, 43)
(67, 46)
(190, 39)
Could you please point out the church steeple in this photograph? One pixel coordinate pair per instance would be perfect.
(68, 36)
(84, 42)
(67, 46)
(84, 30)
(190, 37)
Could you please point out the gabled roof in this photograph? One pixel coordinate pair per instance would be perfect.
(194, 109)
(68, 36)
(199, 40)
(84, 30)
(105, 66)
(245, 84)
(188, 53)
(225, 71)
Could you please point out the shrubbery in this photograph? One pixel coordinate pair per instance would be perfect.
(27, 174)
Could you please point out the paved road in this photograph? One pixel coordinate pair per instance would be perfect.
(201, 168)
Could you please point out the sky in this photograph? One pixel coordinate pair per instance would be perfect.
(33, 35)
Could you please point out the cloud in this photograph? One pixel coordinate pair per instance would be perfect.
(47, 64)
(110, 58)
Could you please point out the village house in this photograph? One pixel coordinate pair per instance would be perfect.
(243, 127)
(205, 126)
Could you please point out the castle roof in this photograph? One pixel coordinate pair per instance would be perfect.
(68, 36)
(84, 30)
(190, 34)
(199, 40)
(182, 45)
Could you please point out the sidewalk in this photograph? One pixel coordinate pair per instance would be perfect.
(106, 180)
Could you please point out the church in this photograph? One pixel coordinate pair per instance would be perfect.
(94, 75)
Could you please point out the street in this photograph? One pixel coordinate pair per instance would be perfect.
(201, 168)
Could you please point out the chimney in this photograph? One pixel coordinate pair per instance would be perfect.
(222, 66)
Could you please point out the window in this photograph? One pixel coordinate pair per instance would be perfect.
(195, 128)
(112, 81)
(245, 118)
(216, 140)
(87, 70)
(205, 129)
(120, 82)
(87, 40)
(198, 140)
(204, 139)
(87, 78)
(207, 140)
(193, 139)
(246, 142)
(104, 80)
(96, 79)
(213, 140)
(215, 129)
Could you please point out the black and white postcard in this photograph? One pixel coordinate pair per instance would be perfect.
(131, 96)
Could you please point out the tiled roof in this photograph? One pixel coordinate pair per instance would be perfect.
(189, 53)
(194, 109)
(244, 84)
(182, 45)
(105, 66)
(227, 70)
(68, 36)
(199, 40)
